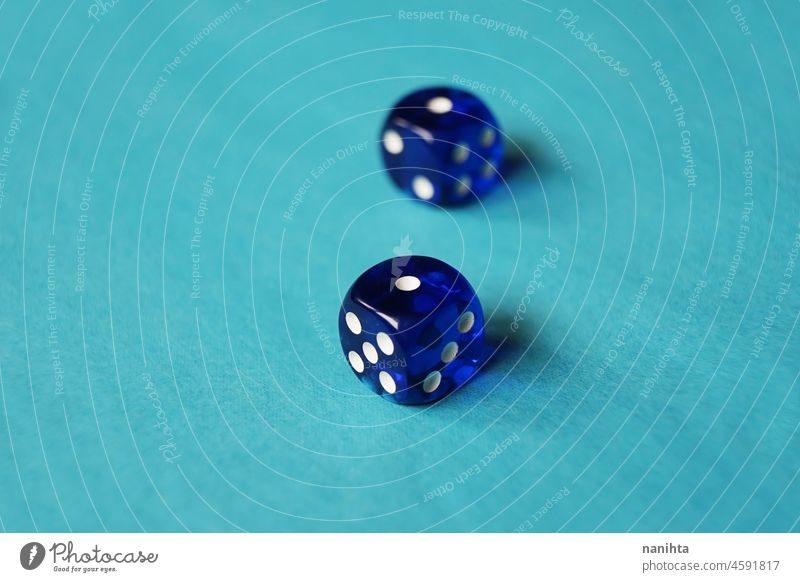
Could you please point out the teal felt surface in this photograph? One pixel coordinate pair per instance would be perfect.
(188, 189)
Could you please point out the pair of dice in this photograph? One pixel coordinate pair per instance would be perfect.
(412, 327)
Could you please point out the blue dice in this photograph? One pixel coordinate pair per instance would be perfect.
(411, 328)
(442, 145)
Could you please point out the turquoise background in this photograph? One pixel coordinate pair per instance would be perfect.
(650, 380)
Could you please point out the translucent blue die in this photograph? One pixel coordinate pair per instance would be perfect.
(443, 145)
(411, 328)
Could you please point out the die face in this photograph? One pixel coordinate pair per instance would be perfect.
(442, 145)
(372, 349)
(429, 314)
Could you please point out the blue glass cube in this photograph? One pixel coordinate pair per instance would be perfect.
(442, 145)
(411, 328)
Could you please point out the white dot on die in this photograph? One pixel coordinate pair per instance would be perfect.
(449, 352)
(440, 105)
(407, 283)
(392, 142)
(422, 187)
(487, 170)
(487, 137)
(370, 352)
(466, 321)
(432, 382)
(385, 343)
(460, 153)
(356, 362)
(386, 380)
(353, 323)
(463, 186)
